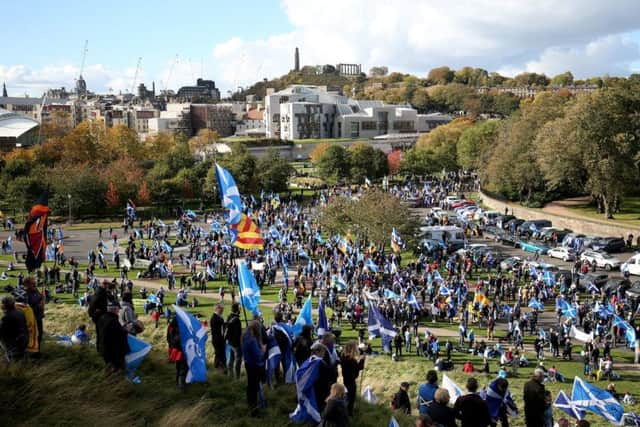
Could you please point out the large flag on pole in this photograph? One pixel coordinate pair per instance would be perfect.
(35, 233)
(591, 398)
(246, 234)
(249, 290)
(229, 194)
(139, 350)
(304, 318)
(193, 337)
(454, 390)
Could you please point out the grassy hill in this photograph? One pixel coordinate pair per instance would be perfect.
(259, 89)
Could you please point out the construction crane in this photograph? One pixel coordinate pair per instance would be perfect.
(166, 82)
(84, 56)
(135, 76)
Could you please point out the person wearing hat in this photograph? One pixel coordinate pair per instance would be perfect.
(113, 341)
(14, 334)
(534, 400)
(401, 401)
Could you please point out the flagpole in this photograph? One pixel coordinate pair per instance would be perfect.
(244, 310)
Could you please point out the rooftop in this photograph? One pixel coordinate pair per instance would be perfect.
(14, 125)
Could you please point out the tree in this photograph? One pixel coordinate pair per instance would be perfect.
(394, 159)
(242, 165)
(378, 71)
(531, 79)
(564, 79)
(334, 164)
(476, 143)
(418, 161)
(273, 172)
(366, 162)
(318, 151)
(204, 138)
(370, 218)
(111, 198)
(440, 75)
(144, 194)
(442, 143)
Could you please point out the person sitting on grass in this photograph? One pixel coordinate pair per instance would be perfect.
(468, 367)
(80, 336)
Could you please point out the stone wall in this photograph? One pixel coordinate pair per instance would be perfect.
(578, 225)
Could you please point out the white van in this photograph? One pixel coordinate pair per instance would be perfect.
(453, 236)
(632, 265)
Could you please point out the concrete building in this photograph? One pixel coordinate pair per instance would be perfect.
(203, 91)
(176, 119)
(16, 130)
(349, 69)
(309, 112)
(139, 119)
(218, 117)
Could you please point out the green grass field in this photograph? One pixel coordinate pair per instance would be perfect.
(629, 214)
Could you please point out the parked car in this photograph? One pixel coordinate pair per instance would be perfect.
(462, 203)
(472, 247)
(509, 239)
(490, 217)
(546, 234)
(609, 244)
(565, 254)
(502, 221)
(613, 284)
(634, 291)
(535, 247)
(512, 225)
(601, 260)
(597, 279)
(510, 263)
(527, 228)
(632, 265)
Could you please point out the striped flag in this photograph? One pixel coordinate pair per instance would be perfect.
(247, 234)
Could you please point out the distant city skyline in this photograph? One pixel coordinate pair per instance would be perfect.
(239, 44)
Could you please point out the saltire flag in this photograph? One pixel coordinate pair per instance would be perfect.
(629, 331)
(495, 400)
(166, 247)
(591, 398)
(230, 194)
(274, 233)
(323, 325)
(592, 288)
(191, 214)
(193, 337)
(339, 283)
(287, 358)
(35, 233)
(249, 290)
(138, 350)
(371, 266)
(211, 275)
(444, 291)
(535, 304)
(131, 209)
(380, 326)
(389, 294)
(307, 409)
(413, 302)
(60, 234)
(393, 422)
(567, 309)
(542, 334)
(274, 356)
(631, 419)
(567, 406)
(548, 278)
(302, 253)
(246, 235)
(437, 277)
(454, 390)
(396, 241)
(304, 318)
(533, 271)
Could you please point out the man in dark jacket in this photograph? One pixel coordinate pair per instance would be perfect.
(470, 409)
(113, 342)
(14, 334)
(322, 384)
(534, 401)
(217, 326)
(401, 400)
(233, 336)
(98, 305)
(35, 300)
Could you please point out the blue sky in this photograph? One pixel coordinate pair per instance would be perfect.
(237, 43)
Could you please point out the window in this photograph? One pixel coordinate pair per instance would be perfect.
(369, 125)
(355, 129)
(403, 125)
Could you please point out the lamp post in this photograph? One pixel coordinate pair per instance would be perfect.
(69, 198)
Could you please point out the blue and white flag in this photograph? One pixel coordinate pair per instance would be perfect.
(230, 194)
(367, 182)
(323, 325)
(274, 233)
(249, 290)
(548, 278)
(288, 360)
(542, 334)
(191, 214)
(592, 288)
(131, 210)
(274, 356)
(378, 325)
(413, 302)
(389, 294)
(629, 331)
(138, 350)
(161, 223)
(339, 282)
(60, 234)
(566, 405)
(454, 389)
(302, 254)
(307, 409)
(567, 309)
(393, 422)
(495, 400)
(591, 398)
(304, 317)
(444, 291)
(211, 275)
(535, 304)
(631, 419)
(193, 338)
(437, 277)
(166, 247)
(371, 266)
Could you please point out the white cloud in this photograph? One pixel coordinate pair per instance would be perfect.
(417, 35)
